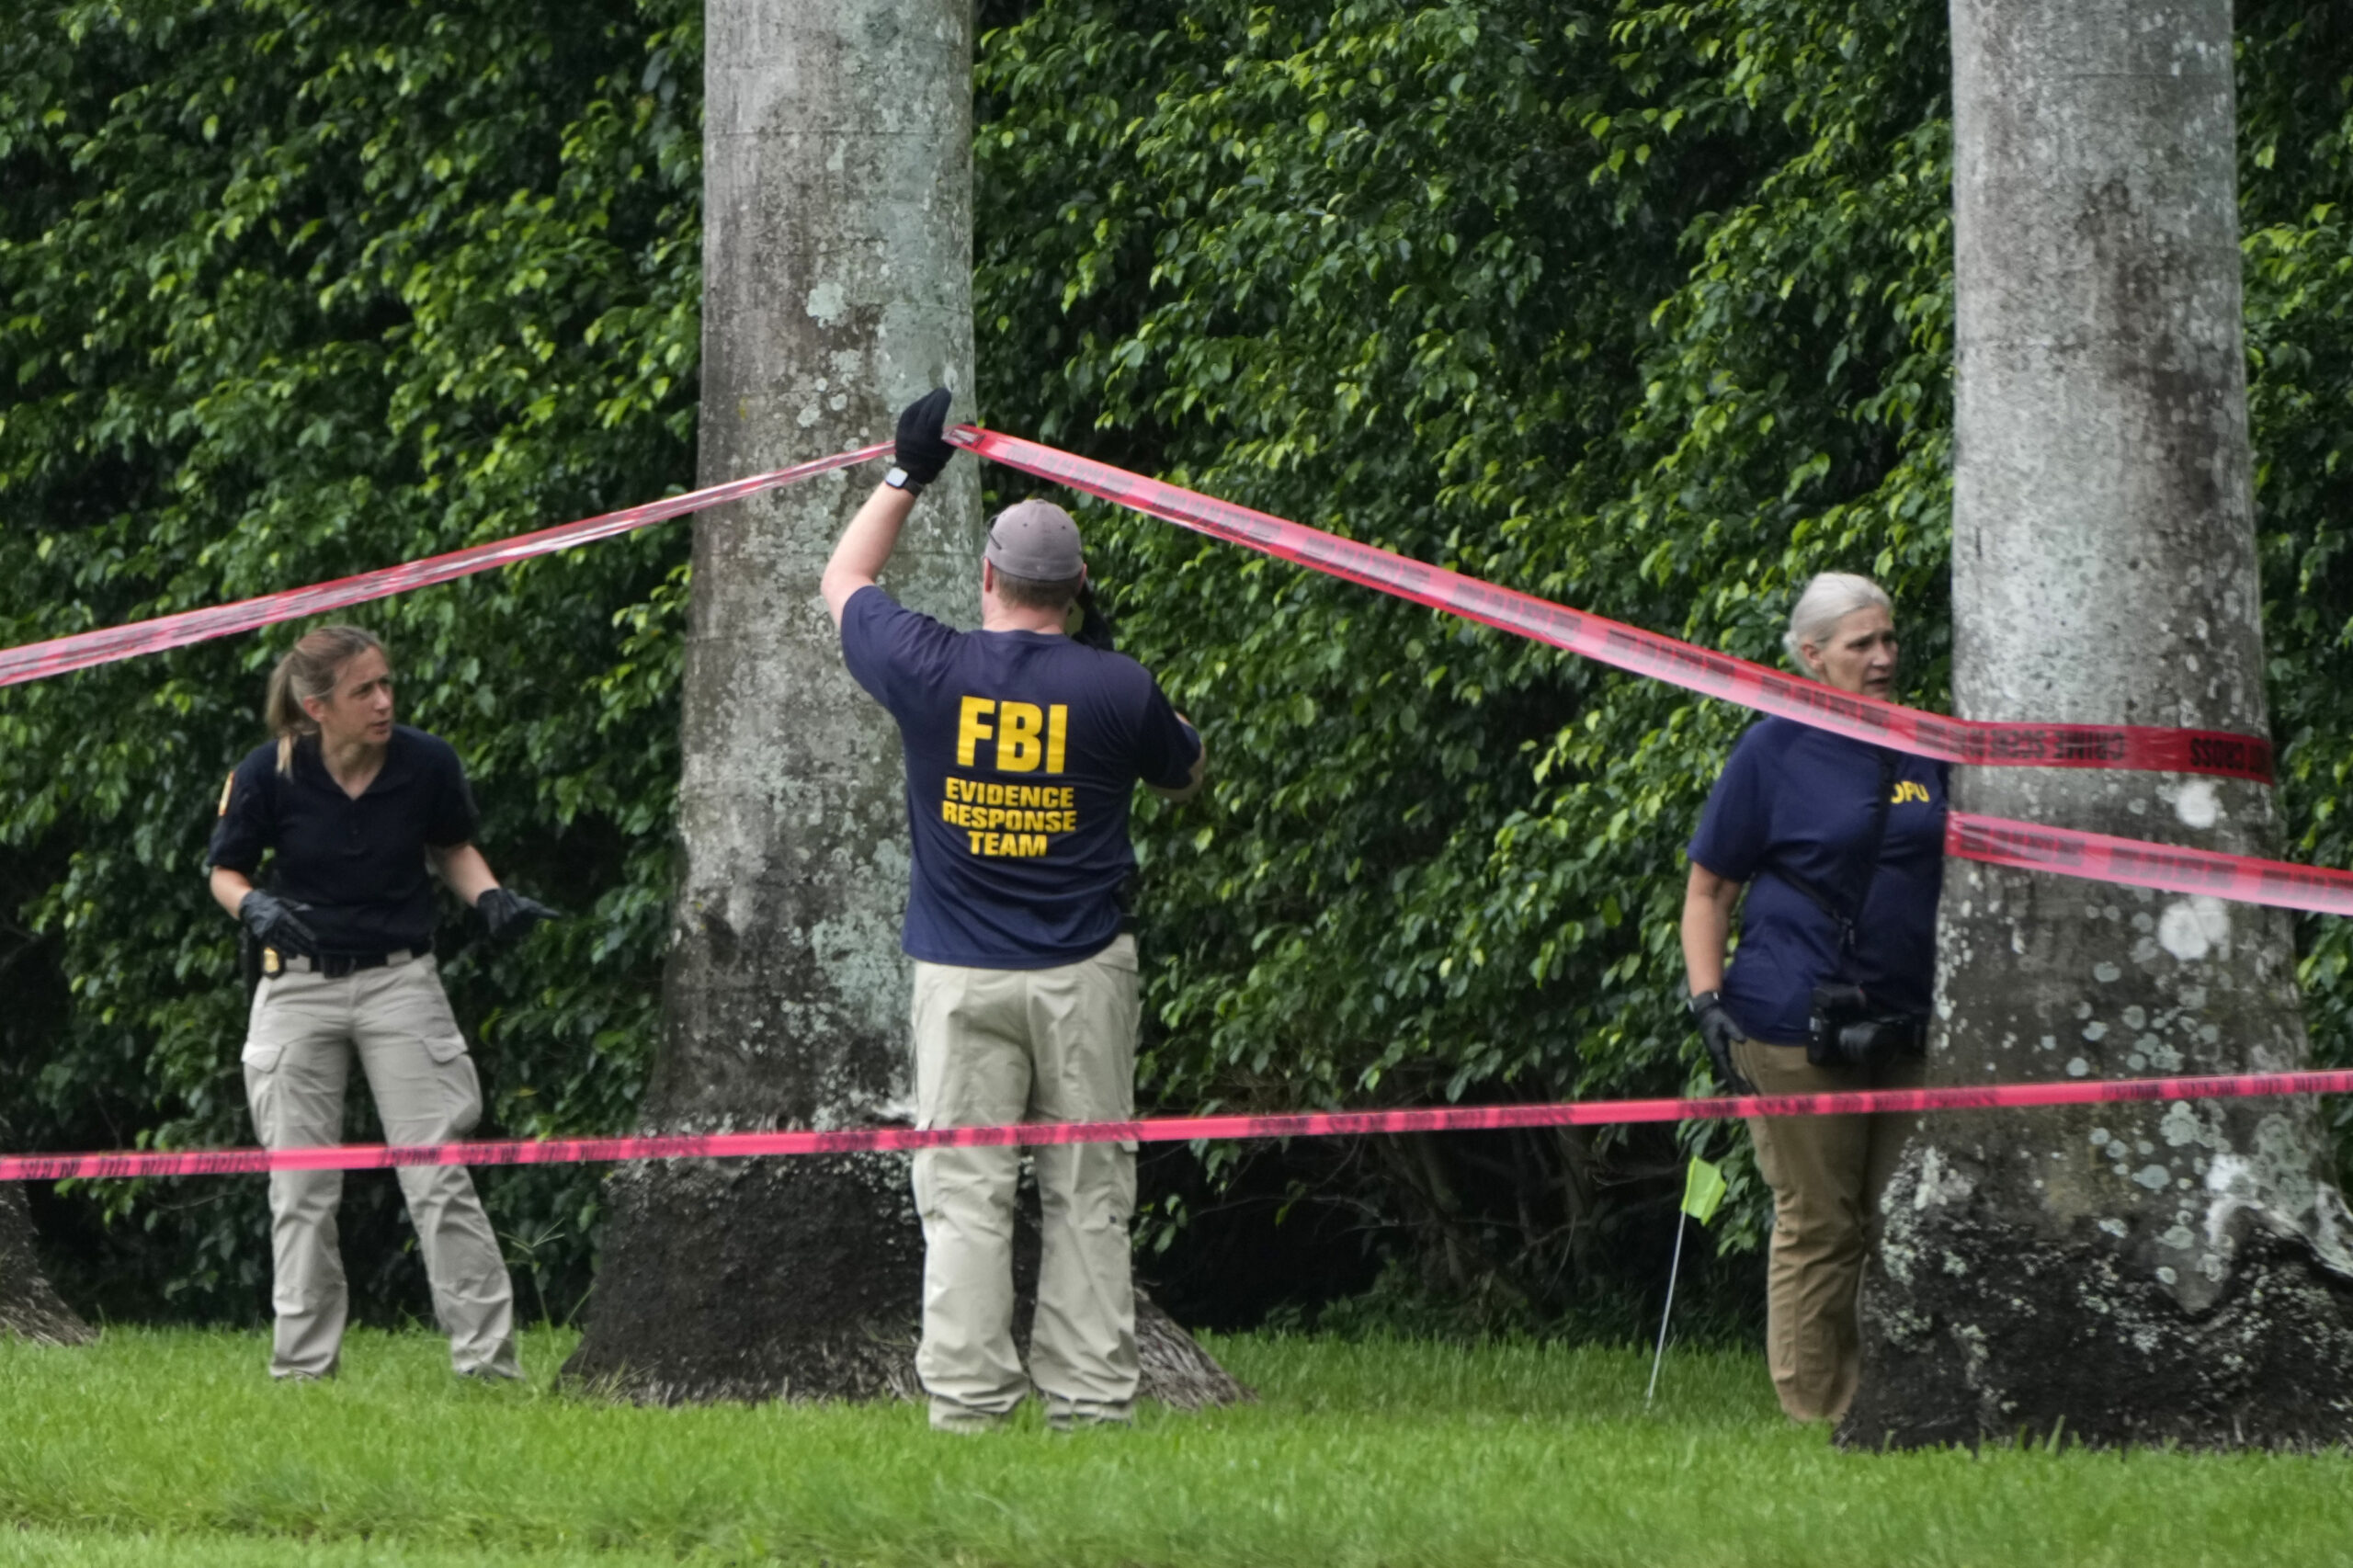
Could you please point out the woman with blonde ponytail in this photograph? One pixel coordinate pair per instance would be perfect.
(308, 671)
(353, 809)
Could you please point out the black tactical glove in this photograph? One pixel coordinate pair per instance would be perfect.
(1720, 1034)
(1094, 628)
(923, 450)
(275, 924)
(510, 916)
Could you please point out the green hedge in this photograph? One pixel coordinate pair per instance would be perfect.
(1642, 307)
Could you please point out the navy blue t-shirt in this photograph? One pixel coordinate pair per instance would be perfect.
(359, 864)
(1023, 753)
(1798, 797)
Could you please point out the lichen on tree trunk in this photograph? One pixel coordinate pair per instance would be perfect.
(2125, 1273)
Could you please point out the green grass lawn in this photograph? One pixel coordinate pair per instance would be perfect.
(174, 1446)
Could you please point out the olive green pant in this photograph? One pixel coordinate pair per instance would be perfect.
(299, 1041)
(1000, 1045)
(1827, 1173)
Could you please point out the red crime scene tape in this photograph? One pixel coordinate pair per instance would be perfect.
(2091, 856)
(1979, 742)
(38, 661)
(2098, 858)
(1162, 1129)
(1974, 741)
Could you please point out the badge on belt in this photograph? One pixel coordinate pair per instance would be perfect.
(270, 962)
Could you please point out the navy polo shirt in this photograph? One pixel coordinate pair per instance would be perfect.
(358, 864)
(1798, 797)
(1023, 751)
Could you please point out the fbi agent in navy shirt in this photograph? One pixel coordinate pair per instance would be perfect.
(1023, 750)
(1840, 847)
(351, 809)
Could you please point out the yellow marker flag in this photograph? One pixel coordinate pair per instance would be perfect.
(1703, 1190)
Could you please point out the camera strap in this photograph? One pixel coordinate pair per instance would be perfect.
(1846, 919)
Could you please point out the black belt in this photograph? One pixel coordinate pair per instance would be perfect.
(334, 966)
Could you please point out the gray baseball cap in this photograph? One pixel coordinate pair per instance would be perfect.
(1035, 540)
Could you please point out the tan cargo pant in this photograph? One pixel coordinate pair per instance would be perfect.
(299, 1045)
(1827, 1173)
(996, 1045)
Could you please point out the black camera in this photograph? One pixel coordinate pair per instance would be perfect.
(1846, 1031)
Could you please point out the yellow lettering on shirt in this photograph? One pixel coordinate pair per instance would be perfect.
(1023, 736)
(1010, 820)
(1906, 789)
(972, 727)
(1002, 846)
(1019, 746)
(1009, 830)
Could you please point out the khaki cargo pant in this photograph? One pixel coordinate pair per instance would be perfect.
(1827, 1173)
(299, 1045)
(994, 1045)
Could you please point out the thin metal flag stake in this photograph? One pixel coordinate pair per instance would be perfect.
(1658, 1357)
(1703, 1189)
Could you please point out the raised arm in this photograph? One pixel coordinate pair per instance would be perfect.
(866, 545)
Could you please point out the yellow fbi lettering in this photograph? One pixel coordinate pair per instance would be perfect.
(1023, 736)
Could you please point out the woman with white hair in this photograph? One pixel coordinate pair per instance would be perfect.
(1839, 846)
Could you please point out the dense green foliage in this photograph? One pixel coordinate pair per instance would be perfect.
(1355, 1455)
(293, 290)
(1642, 306)
(1638, 309)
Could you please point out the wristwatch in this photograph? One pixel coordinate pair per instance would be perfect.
(899, 479)
(1700, 1001)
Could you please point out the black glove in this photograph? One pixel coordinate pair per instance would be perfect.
(275, 924)
(1720, 1034)
(510, 916)
(923, 449)
(1095, 628)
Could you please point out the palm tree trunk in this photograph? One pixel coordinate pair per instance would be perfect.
(30, 1309)
(2142, 1272)
(836, 287)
